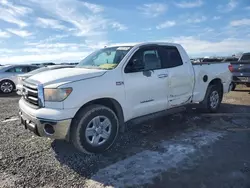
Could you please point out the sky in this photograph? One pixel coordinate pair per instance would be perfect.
(34, 31)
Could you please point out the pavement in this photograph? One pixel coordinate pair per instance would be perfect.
(189, 149)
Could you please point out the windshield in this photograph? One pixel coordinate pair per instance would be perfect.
(245, 57)
(4, 66)
(106, 58)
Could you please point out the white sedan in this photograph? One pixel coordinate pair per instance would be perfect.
(8, 76)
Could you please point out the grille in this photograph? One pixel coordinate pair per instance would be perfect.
(30, 93)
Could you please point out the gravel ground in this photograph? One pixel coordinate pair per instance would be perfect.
(183, 150)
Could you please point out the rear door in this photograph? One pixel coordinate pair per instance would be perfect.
(180, 76)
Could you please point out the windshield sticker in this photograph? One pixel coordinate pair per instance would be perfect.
(123, 48)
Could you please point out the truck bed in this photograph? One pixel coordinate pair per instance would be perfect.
(205, 72)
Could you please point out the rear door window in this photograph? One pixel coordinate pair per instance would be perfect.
(170, 56)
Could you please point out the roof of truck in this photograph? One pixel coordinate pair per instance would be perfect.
(144, 43)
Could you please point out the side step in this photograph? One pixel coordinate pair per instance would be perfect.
(156, 115)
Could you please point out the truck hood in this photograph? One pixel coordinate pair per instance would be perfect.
(66, 75)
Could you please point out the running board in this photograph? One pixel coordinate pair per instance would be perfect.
(156, 115)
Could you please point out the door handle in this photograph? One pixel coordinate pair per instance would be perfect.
(162, 75)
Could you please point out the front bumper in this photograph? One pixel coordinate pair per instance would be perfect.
(44, 127)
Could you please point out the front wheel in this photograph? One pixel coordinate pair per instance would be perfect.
(6, 86)
(213, 98)
(94, 129)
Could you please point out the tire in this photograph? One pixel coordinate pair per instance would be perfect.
(7, 86)
(213, 98)
(99, 138)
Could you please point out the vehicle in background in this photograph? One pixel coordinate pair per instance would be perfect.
(8, 76)
(210, 60)
(47, 64)
(241, 71)
(69, 63)
(22, 77)
(90, 104)
(230, 59)
(245, 57)
(37, 64)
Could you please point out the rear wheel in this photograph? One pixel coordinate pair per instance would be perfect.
(94, 129)
(7, 86)
(213, 98)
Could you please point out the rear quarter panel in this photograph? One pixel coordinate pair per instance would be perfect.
(213, 71)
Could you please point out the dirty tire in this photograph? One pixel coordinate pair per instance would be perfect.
(207, 103)
(81, 122)
(9, 84)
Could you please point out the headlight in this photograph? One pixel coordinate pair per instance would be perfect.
(57, 95)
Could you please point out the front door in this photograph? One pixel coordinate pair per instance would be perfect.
(180, 76)
(145, 82)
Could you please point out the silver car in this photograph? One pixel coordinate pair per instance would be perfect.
(22, 77)
(8, 76)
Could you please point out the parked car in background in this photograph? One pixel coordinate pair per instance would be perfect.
(47, 64)
(37, 64)
(8, 76)
(22, 77)
(230, 59)
(241, 70)
(69, 63)
(210, 60)
(90, 104)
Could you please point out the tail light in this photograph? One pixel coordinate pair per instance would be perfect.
(230, 67)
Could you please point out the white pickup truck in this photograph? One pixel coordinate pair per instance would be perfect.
(90, 104)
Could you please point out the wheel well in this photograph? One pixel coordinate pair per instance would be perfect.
(217, 82)
(9, 81)
(112, 104)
